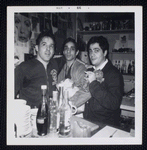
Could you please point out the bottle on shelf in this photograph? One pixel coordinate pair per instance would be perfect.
(129, 67)
(119, 67)
(116, 64)
(53, 112)
(42, 119)
(133, 67)
(65, 114)
(123, 67)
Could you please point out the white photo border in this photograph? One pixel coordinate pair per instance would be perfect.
(11, 140)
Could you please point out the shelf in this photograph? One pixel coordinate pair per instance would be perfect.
(128, 74)
(122, 53)
(106, 31)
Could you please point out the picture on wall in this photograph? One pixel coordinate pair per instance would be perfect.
(48, 26)
(41, 20)
(35, 20)
(54, 20)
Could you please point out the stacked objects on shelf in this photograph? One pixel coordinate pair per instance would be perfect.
(22, 120)
(109, 25)
(125, 66)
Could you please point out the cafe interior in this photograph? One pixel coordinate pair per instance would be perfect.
(118, 28)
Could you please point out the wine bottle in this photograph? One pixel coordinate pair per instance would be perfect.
(42, 114)
(65, 114)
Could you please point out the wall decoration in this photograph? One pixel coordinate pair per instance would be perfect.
(48, 15)
(70, 25)
(123, 38)
(23, 24)
(48, 25)
(35, 20)
(54, 20)
(41, 20)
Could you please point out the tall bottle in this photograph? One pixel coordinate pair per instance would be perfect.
(42, 114)
(53, 112)
(60, 99)
(65, 114)
(125, 67)
(129, 68)
(119, 68)
(133, 67)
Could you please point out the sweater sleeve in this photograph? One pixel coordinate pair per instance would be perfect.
(81, 96)
(18, 79)
(78, 76)
(107, 95)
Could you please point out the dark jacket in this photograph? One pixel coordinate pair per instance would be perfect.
(104, 105)
(30, 75)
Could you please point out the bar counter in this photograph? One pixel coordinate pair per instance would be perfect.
(93, 130)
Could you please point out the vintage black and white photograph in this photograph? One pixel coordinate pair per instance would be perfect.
(78, 79)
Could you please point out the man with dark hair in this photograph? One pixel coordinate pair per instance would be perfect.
(42, 70)
(106, 95)
(74, 69)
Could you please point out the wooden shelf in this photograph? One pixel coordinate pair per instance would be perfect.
(106, 31)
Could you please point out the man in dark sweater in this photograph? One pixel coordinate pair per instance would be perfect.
(106, 96)
(42, 70)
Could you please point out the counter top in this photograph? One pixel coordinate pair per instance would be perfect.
(128, 103)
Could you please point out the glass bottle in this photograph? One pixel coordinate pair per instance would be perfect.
(129, 68)
(42, 114)
(116, 64)
(133, 68)
(53, 112)
(60, 98)
(65, 114)
(119, 66)
(124, 67)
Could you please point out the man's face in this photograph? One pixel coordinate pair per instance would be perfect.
(69, 51)
(46, 49)
(96, 54)
(23, 25)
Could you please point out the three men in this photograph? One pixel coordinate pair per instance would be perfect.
(42, 70)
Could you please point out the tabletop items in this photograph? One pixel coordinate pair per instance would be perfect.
(43, 115)
(22, 118)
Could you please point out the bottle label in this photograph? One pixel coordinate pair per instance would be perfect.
(40, 121)
(67, 117)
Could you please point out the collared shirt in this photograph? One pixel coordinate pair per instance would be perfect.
(102, 65)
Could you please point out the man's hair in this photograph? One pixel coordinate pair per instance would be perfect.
(69, 40)
(45, 34)
(102, 41)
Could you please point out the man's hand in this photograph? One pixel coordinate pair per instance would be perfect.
(90, 76)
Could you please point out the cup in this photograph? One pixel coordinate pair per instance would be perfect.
(20, 102)
(73, 108)
(80, 130)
